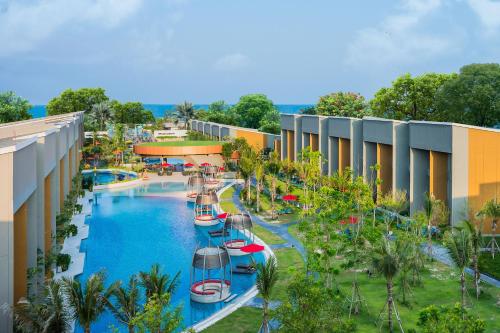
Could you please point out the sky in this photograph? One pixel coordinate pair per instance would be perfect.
(168, 51)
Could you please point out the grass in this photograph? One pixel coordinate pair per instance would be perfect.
(229, 207)
(181, 143)
(441, 287)
(489, 265)
(228, 194)
(267, 236)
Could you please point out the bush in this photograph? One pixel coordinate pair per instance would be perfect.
(63, 261)
(434, 319)
(71, 230)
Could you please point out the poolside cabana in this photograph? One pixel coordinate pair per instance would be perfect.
(210, 173)
(205, 209)
(211, 289)
(239, 228)
(194, 187)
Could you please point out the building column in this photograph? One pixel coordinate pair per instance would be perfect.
(20, 252)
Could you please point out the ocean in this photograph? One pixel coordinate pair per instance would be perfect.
(159, 110)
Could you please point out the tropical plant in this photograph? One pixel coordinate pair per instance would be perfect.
(46, 312)
(459, 247)
(88, 302)
(491, 209)
(247, 164)
(185, 111)
(443, 319)
(272, 168)
(259, 176)
(386, 261)
(155, 282)
(342, 104)
(435, 213)
(101, 114)
(267, 276)
(476, 242)
(126, 303)
(393, 204)
(157, 316)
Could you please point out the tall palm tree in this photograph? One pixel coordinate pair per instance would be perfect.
(126, 305)
(267, 275)
(154, 282)
(459, 247)
(273, 166)
(87, 303)
(259, 176)
(46, 313)
(492, 210)
(386, 261)
(247, 165)
(476, 242)
(185, 111)
(101, 113)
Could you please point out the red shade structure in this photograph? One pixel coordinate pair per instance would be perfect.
(289, 197)
(252, 248)
(222, 216)
(166, 165)
(189, 165)
(205, 164)
(353, 220)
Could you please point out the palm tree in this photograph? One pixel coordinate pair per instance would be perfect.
(247, 164)
(154, 282)
(101, 113)
(435, 213)
(185, 111)
(492, 210)
(45, 314)
(476, 242)
(88, 303)
(386, 262)
(259, 176)
(267, 275)
(273, 167)
(459, 247)
(126, 305)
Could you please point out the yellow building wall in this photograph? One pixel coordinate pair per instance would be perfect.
(384, 160)
(438, 176)
(47, 215)
(20, 252)
(344, 154)
(314, 142)
(484, 170)
(277, 147)
(61, 183)
(290, 145)
(70, 168)
(254, 139)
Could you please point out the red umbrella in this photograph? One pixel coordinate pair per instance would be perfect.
(166, 165)
(189, 165)
(252, 248)
(222, 216)
(290, 197)
(221, 168)
(205, 164)
(353, 220)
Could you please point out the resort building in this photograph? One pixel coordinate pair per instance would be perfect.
(38, 159)
(458, 164)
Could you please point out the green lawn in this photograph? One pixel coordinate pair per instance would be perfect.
(228, 194)
(181, 143)
(489, 265)
(229, 207)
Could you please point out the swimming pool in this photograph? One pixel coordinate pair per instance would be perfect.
(132, 229)
(103, 177)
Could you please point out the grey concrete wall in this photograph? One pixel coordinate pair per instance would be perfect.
(224, 132)
(287, 122)
(401, 158)
(323, 143)
(357, 147)
(431, 136)
(298, 136)
(370, 159)
(459, 174)
(419, 184)
(333, 156)
(284, 144)
(206, 128)
(378, 130)
(310, 124)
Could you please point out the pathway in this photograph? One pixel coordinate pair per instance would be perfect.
(440, 253)
(279, 229)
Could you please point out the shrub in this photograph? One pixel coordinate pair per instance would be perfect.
(63, 261)
(71, 230)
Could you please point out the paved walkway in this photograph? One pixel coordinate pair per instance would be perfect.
(440, 253)
(278, 229)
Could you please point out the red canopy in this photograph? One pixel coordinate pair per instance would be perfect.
(222, 216)
(290, 197)
(205, 164)
(189, 165)
(353, 220)
(166, 165)
(252, 248)
(221, 168)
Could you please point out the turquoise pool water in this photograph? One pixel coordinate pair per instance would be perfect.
(132, 229)
(101, 177)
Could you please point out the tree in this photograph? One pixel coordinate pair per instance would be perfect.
(342, 104)
(131, 113)
(45, 313)
(472, 97)
(247, 164)
(272, 167)
(410, 98)
(255, 110)
(157, 316)
(185, 111)
(491, 210)
(13, 107)
(154, 282)
(386, 262)
(126, 303)
(76, 100)
(459, 248)
(435, 213)
(259, 176)
(101, 113)
(309, 110)
(87, 303)
(443, 319)
(267, 276)
(476, 242)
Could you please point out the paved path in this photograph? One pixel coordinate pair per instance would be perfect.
(278, 229)
(440, 253)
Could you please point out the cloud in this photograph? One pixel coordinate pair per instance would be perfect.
(23, 25)
(488, 12)
(400, 38)
(231, 62)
